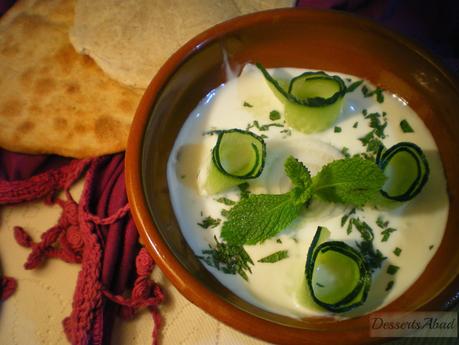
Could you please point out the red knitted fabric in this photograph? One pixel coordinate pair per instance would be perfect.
(81, 236)
(7, 287)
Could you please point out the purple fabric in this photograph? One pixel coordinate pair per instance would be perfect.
(432, 24)
(120, 240)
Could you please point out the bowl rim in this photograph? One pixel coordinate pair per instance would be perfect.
(187, 284)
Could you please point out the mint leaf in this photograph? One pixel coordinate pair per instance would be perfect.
(259, 217)
(351, 181)
(301, 180)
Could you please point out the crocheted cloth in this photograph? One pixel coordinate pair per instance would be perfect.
(96, 232)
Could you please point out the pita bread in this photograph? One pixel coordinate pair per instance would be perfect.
(131, 39)
(52, 99)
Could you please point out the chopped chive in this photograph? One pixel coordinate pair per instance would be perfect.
(274, 115)
(405, 126)
(392, 269)
(338, 129)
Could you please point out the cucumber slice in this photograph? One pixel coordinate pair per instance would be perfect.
(237, 156)
(407, 170)
(313, 100)
(337, 275)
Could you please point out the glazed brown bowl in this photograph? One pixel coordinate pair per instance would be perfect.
(312, 39)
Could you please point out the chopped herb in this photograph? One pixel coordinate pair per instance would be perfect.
(378, 92)
(364, 112)
(373, 258)
(346, 217)
(228, 258)
(431, 247)
(365, 230)
(386, 234)
(224, 213)
(287, 132)
(209, 222)
(356, 124)
(279, 241)
(405, 126)
(274, 115)
(295, 239)
(320, 285)
(397, 251)
(248, 105)
(349, 228)
(338, 129)
(226, 201)
(275, 257)
(244, 189)
(262, 128)
(264, 136)
(354, 85)
(348, 80)
(212, 132)
(389, 285)
(182, 176)
(392, 269)
(381, 223)
(345, 152)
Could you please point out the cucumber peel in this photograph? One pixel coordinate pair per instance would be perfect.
(337, 276)
(237, 156)
(407, 170)
(313, 100)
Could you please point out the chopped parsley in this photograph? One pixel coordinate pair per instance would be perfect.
(356, 124)
(228, 258)
(337, 129)
(392, 269)
(373, 258)
(247, 104)
(275, 257)
(381, 222)
(274, 115)
(209, 222)
(397, 251)
(405, 126)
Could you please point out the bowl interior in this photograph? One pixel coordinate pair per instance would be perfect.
(295, 38)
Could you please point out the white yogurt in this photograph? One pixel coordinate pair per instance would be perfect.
(279, 287)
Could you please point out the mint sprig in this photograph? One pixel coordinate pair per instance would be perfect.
(351, 181)
(261, 216)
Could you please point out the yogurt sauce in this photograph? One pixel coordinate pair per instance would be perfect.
(280, 287)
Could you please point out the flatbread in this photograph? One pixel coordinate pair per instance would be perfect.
(52, 99)
(131, 39)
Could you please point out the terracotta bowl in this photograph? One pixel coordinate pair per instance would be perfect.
(296, 38)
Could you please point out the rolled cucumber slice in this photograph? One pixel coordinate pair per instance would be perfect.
(337, 275)
(237, 156)
(406, 168)
(313, 100)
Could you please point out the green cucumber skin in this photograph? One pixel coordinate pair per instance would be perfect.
(383, 158)
(260, 164)
(308, 115)
(317, 245)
